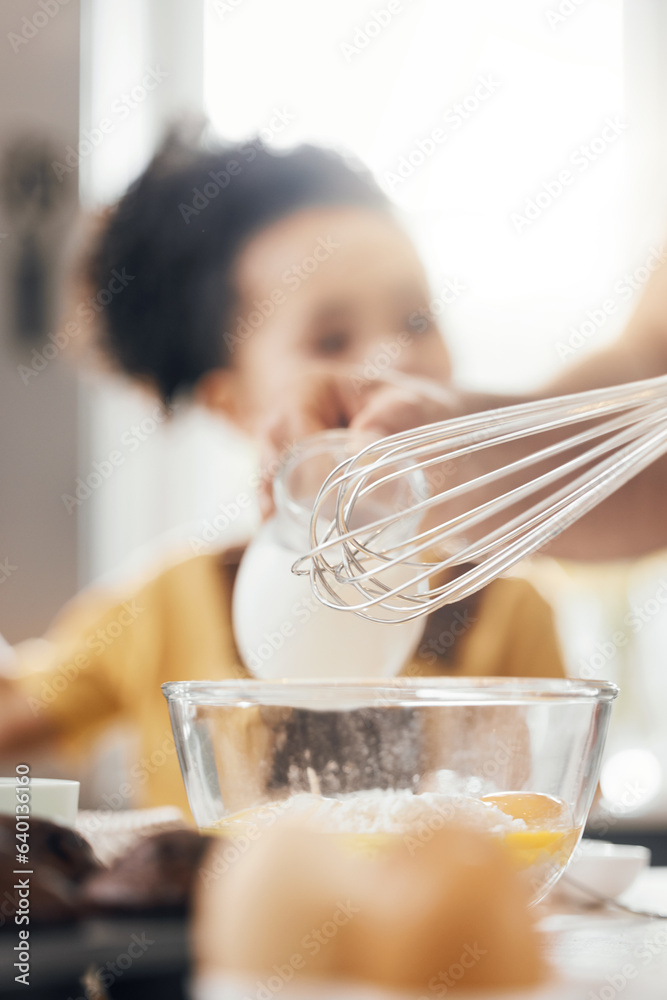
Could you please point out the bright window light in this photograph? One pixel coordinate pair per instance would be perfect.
(630, 780)
(521, 200)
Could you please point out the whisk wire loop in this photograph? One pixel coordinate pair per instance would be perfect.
(408, 560)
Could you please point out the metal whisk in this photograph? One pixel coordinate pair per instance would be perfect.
(390, 544)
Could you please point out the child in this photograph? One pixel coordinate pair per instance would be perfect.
(255, 277)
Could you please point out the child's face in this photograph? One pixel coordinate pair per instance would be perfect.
(325, 286)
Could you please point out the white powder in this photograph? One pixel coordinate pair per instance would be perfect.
(397, 812)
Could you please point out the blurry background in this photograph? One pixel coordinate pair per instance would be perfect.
(520, 263)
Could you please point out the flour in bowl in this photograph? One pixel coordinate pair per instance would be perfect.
(397, 812)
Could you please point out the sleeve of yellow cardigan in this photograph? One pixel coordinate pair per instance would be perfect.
(531, 647)
(106, 655)
(80, 674)
(513, 634)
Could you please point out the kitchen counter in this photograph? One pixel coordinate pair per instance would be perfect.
(131, 957)
(604, 953)
(598, 955)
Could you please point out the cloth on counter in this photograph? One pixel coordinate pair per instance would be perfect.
(111, 834)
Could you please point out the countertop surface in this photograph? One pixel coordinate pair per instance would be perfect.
(596, 955)
(604, 953)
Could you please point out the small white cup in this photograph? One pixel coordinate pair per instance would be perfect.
(56, 799)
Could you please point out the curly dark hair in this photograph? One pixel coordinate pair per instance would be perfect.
(177, 232)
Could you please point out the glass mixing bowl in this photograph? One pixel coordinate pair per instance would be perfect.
(377, 763)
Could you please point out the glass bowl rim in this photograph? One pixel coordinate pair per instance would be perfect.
(445, 690)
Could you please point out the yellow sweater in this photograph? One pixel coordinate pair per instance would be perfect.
(105, 658)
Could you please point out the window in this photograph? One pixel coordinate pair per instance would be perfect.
(515, 99)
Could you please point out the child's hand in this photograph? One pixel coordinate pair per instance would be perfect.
(393, 409)
(20, 727)
(322, 401)
(327, 400)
